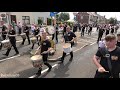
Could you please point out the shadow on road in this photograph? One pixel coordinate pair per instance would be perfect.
(60, 72)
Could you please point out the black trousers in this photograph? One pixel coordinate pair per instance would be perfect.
(89, 32)
(53, 35)
(99, 37)
(45, 60)
(19, 30)
(82, 33)
(25, 39)
(3, 36)
(64, 32)
(34, 43)
(13, 43)
(64, 54)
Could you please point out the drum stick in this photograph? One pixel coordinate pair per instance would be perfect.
(37, 50)
(106, 71)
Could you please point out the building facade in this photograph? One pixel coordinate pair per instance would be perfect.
(90, 18)
(25, 17)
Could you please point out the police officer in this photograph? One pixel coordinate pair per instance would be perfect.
(26, 30)
(69, 37)
(12, 35)
(45, 47)
(36, 34)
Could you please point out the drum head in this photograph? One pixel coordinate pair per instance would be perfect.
(5, 41)
(51, 29)
(36, 58)
(66, 45)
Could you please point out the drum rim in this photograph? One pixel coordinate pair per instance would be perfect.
(37, 59)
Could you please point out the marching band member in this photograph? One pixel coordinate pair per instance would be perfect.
(26, 30)
(12, 35)
(69, 37)
(45, 48)
(36, 34)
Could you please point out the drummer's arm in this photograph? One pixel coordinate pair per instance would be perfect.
(63, 40)
(12, 35)
(73, 39)
(37, 49)
(49, 49)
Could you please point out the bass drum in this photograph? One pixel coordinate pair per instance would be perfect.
(50, 29)
(6, 43)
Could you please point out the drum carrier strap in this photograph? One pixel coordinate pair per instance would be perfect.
(107, 55)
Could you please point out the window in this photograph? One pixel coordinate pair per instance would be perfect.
(42, 18)
(26, 19)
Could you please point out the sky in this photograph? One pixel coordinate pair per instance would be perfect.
(107, 15)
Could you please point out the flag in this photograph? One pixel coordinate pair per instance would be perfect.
(53, 13)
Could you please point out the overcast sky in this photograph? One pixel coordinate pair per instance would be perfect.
(107, 14)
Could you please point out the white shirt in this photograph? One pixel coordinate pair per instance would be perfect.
(101, 44)
(42, 30)
(32, 27)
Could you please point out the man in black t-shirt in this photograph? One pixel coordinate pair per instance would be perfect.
(45, 49)
(12, 35)
(26, 30)
(104, 70)
(118, 39)
(68, 38)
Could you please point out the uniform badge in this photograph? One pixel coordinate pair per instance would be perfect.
(44, 43)
(114, 58)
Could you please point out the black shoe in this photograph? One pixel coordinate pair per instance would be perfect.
(5, 54)
(31, 48)
(61, 61)
(49, 69)
(70, 59)
(39, 72)
(16, 54)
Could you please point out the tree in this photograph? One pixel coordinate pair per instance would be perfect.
(113, 21)
(40, 21)
(64, 17)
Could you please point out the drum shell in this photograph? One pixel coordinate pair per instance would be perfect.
(50, 29)
(23, 35)
(34, 40)
(37, 63)
(6, 44)
(67, 49)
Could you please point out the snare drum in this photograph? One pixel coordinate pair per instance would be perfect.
(67, 48)
(23, 35)
(6, 43)
(37, 61)
(34, 40)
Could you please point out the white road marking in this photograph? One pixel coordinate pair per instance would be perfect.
(92, 43)
(57, 64)
(19, 41)
(91, 38)
(9, 58)
(85, 41)
(43, 71)
(80, 48)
